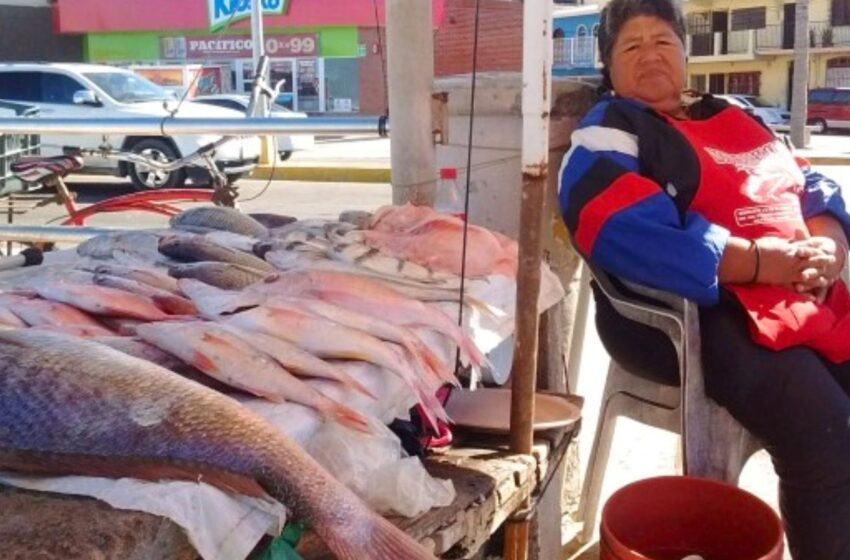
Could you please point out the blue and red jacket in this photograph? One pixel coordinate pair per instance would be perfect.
(653, 199)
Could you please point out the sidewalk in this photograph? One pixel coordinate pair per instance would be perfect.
(638, 451)
(336, 160)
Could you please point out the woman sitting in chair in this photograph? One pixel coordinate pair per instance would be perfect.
(702, 200)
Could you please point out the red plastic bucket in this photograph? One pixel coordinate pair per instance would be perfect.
(672, 517)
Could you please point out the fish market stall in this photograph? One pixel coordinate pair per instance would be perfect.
(346, 324)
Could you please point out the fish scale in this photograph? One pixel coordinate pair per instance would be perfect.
(76, 407)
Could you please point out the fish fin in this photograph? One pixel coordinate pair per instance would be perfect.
(485, 308)
(381, 541)
(344, 415)
(202, 362)
(356, 385)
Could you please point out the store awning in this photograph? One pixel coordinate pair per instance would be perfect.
(103, 16)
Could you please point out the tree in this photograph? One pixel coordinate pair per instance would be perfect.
(799, 104)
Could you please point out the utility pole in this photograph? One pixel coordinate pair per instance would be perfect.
(410, 72)
(259, 48)
(800, 102)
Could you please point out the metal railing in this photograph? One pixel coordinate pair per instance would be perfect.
(575, 52)
(771, 37)
(155, 126)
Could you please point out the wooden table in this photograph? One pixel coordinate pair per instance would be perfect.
(490, 484)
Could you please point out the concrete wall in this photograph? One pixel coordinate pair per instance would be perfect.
(26, 34)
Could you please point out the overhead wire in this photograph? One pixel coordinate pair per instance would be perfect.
(468, 182)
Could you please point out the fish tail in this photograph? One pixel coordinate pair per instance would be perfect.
(435, 364)
(344, 415)
(377, 539)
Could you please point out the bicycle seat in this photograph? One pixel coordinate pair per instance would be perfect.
(41, 169)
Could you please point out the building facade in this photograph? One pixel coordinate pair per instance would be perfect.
(575, 32)
(330, 53)
(747, 46)
(27, 34)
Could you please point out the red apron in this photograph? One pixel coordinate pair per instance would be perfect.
(751, 185)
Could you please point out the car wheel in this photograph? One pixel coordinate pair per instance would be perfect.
(820, 126)
(284, 155)
(145, 178)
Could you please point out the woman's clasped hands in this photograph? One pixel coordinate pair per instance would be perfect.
(808, 266)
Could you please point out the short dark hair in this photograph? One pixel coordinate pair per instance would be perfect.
(618, 12)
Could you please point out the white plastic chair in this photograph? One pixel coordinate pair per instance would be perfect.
(714, 444)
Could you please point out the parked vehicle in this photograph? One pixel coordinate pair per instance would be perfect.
(286, 143)
(775, 117)
(94, 91)
(829, 108)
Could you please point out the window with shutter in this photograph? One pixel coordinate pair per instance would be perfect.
(840, 12)
(749, 18)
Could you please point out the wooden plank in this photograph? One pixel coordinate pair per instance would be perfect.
(58, 527)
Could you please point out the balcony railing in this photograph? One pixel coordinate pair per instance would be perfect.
(575, 52)
(771, 37)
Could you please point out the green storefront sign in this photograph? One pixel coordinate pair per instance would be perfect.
(334, 42)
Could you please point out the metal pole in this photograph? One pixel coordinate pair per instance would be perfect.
(410, 72)
(258, 43)
(154, 126)
(50, 234)
(536, 103)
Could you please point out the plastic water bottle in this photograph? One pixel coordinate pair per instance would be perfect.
(449, 193)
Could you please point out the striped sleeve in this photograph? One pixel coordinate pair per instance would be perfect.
(822, 195)
(624, 222)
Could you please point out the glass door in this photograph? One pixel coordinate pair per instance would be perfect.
(310, 80)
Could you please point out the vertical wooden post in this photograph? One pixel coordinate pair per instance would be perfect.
(536, 104)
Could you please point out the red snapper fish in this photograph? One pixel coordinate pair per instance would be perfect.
(74, 407)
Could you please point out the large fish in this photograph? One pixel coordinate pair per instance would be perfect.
(75, 407)
(141, 244)
(220, 218)
(37, 312)
(147, 275)
(197, 248)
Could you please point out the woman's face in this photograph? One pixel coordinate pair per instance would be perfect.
(648, 63)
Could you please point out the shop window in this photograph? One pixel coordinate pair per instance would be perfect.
(342, 85)
(581, 31)
(596, 30)
(841, 62)
(558, 34)
(840, 12)
(745, 83)
(749, 18)
(717, 83)
(698, 82)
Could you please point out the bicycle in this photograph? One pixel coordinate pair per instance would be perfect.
(51, 171)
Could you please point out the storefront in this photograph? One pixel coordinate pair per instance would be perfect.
(326, 51)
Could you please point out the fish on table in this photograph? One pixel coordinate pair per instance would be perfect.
(219, 218)
(37, 312)
(100, 300)
(223, 275)
(69, 406)
(232, 360)
(194, 248)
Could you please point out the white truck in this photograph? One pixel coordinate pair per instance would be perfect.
(83, 91)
